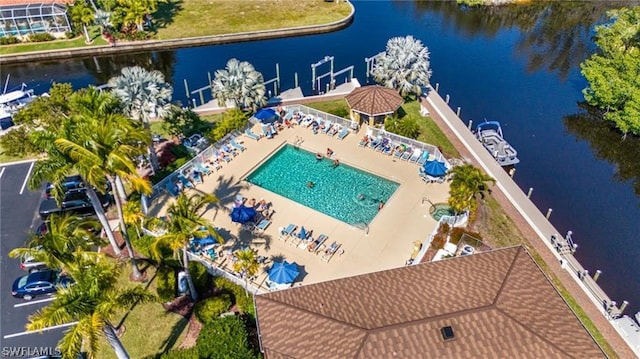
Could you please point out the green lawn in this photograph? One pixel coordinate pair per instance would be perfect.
(179, 19)
(149, 329)
(94, 33)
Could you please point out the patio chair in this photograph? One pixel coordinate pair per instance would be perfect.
(327, 126)
(262, 225)
(185, 181)
(343, 133)
(388, 149)
(285, 233)
(172, 188)
(222, 156)
(398, 151)
(266, 132)
(329, 252)
(415, 155)
(251, 135)
(200, 167)
(375, 142)
(313, 246)
(382, 145)
(423, 158)
(228, 149)
(236, 145)
(196, 176)
(407, 154)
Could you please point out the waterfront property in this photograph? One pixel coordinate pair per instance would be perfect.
(25, 17)
(385, 242)
(497, 304)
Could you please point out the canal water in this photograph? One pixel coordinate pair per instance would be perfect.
(517, 65)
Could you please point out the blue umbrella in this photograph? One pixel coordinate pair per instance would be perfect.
(243, 214)
(435, 168)
(283, 272)
(303, 233)
(266, 115)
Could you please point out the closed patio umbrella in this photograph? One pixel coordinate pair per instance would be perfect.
(243, 214)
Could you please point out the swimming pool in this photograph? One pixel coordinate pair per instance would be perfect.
(345, 193)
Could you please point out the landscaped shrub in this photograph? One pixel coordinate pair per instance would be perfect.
(9, 40)
(440, 238)
(191, 353)
(406, 126)
(242, 300)
(457, 232)
(225, 338)
(200, 276)
(233, 119)
(166, 283)
(185, 122)
(16, 143)
(210, 309)
(41, 37)
(69, 35)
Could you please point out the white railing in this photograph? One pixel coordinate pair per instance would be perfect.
(216, 271)
(453, 221)
(434, 151)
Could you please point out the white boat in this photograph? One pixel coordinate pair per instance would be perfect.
(629, 330)
(11, 102)
(489, 133)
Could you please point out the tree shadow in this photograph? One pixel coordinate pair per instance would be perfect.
(175, 333)
(146, 287)
(166, 13)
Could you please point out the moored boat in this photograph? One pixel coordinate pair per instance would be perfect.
(489, 133)
(11, 102)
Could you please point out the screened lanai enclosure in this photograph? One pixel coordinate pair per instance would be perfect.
(31, 18)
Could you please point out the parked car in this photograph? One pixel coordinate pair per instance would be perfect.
(29, 264)
(70, 183)
(76, 201)
(39, 283)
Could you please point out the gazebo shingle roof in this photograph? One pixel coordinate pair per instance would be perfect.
(374, 100)
(499, 304)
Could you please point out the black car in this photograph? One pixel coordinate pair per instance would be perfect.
(75, 201)
(39, 283)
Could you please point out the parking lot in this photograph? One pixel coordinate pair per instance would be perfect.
(18, 215)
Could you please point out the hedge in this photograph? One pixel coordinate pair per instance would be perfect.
(209, 310)
(244, 302)
(166, 283)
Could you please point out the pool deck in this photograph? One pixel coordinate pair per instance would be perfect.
(391, 234)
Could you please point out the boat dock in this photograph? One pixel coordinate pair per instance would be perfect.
(554, 249)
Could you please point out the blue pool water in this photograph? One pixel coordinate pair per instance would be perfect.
(345, 193)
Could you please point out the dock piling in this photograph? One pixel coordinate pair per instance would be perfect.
(458, 112)
(447, 98)
(530, 192)
(437, 86)
(549, 212)
(470, 123)
(597, 275)
(623, 306)
(186, 88)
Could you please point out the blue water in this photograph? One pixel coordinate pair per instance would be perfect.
(344, 192)
(491, 67)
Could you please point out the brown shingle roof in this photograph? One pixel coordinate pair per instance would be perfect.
(374, 100)
(499, 304)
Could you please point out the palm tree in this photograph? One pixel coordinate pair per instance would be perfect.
(135, 11)
(132, 215)
(246, 264)
(67, 239)
(240, 83)
(185, 222)
(144, 94)
(92, 302)
(104, 147)
(83, 14)
(468, 181)
(403, 66)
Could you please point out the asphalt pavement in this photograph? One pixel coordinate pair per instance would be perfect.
(18, 216)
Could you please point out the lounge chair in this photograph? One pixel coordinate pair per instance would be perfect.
(172, 188)
(329, 252)
(398, 152)
(228, 149)
(196, 176)
(262, 225)
(415, 155)
(407, 154)
(375, 142)
(236, 145)
(204, 170)
(251, 135)
(185, 181)
(286, 232)
(382, 145)
(315, 245)
(222, 156)
(334, 129)
(423, 158)
(388, 149)
(327, 127)
(343, 133)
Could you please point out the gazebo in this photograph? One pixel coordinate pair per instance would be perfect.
(373, 103)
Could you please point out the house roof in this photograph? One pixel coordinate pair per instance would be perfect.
(498, 303)
(374, 100)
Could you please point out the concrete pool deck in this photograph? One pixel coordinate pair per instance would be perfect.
(391, 235)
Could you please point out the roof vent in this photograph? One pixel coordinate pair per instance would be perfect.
(447, 333)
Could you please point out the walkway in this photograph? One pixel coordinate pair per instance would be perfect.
(528, 218)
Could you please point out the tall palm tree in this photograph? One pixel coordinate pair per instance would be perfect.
(404, 66)
(104, 147)
(144, 95)
(83, 14)
(185, 222)
(240, 83)
(67, 239)
(246, 264)
(132, 215)
(135, 11)
(468, 181)
(92, 302)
